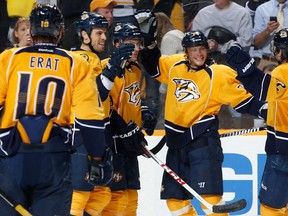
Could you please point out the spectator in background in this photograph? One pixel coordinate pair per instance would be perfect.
(252, 5)
(105, 8)
(21, 33)
(124, 12)
(264, 29)
(169, 40)
(224, 23)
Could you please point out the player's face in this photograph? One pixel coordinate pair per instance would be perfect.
(23, 34)
(137, 47)
(98, 39)
(107, 12)
(197, 56)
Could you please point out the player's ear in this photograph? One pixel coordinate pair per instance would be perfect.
(85, 36)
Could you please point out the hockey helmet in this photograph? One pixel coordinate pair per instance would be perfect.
(280, 42)
(88, 21)
(194, 38)
(46, 20)
(124, 31)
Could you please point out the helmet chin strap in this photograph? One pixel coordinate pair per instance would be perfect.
(195, 68)
(90, 45)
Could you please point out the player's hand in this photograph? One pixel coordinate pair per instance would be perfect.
(148, 26)
(132, 139)
(240, 60)
(116, 63)
(149, 120)
(100, 172)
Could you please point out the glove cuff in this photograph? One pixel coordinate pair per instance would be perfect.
(108, 73)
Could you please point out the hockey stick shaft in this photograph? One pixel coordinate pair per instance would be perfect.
(236, 206)
(19, 208)
(161, 143)
(241, 132)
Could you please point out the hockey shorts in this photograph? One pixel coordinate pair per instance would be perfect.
(199, 164)
(80, 169)
(37, 179)
(126, 173)
(274, 187)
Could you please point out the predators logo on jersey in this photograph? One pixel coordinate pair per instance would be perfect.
(186, 90)
(279, 86)
(134, 93)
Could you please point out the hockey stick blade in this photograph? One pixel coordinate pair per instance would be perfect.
(232, 207)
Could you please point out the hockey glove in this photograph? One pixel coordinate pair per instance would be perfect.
(100, 172)
(132, 139)
(116, 63)
(148, 26)
(149, 120)
(240, 60)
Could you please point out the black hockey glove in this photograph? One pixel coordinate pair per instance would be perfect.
(116, 63)
(132, 139)
(148, 26)
(240, 60)
(149, 120)
(100, 172)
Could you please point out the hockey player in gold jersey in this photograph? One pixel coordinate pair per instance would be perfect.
(195, 94)
(128, 117)
(273, 193)
(91, 28)
(39, 86)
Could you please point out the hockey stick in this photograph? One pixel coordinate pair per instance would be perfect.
(241, 132)
(18, 207)
(159, 146)
(232, 207)
(161, 143)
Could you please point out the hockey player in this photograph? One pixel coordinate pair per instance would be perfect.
(273, 193)
(195, 93)
(39, 85)
(126, 121)
(91, 28)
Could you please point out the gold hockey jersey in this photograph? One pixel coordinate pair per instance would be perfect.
(194, 98)
(125, 94)
(273, 89)
(46, 80)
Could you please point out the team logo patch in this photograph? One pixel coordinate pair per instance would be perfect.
(134, 93)
(186, 90)
(85, 56)
(117, 177)
(279, 86)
